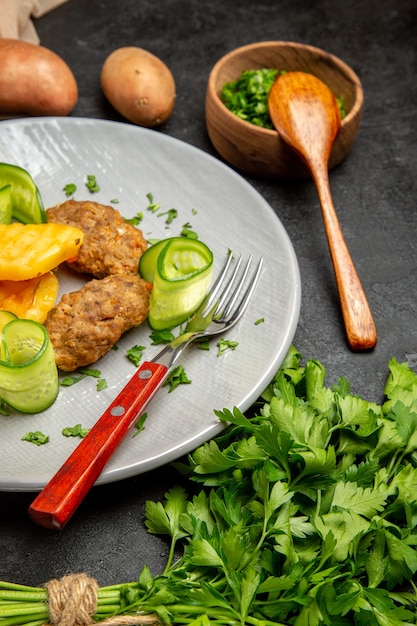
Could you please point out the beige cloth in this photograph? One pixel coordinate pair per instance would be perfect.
(15, 17)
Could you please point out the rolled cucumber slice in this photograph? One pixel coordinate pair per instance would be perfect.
(6, 205)
(27, 205)
(180, 270)
(5, 318)
(28, 373)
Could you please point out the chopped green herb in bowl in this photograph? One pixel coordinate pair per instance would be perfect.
(236, 106)
(247, 97)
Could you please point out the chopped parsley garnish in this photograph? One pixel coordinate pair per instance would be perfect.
(68, 381)
(247, 97)
(91, 184)
(135, 354)
(225, 344)
(161, 336)
(176, 377)
(188, 232)
(36, 437)
(89, 371)
(69, 189)
(75, 431)
(101, 384)
(171, 215)
(152, 206)
(342, 108)
(140, 424)
(135, 220)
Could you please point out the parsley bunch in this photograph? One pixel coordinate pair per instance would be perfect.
(308, 512)
(302, 514)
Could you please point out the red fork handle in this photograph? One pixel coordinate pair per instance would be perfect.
(59, 499)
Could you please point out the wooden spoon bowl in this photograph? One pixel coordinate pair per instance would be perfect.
(262, 152)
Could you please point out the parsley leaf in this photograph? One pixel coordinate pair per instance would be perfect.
(161, 336)
(176, 377)
(92, 184)
(171, 215)
(225, 344)
(101, 384)
(75, 431)
(135, 220)
(152, 206)
(69, 189)
(68, 381)
(135, 354)
(140, 424)
(187, 231)
(36, 437)
(90, 371)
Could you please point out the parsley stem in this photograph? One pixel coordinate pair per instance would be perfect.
(21, 596)
(227, 616)
(171, 555)
(39, 622)
(261, 622)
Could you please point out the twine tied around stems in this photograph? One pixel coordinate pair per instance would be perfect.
(72, 601)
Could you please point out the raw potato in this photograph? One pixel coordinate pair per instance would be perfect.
(34, 80)
(139, 86)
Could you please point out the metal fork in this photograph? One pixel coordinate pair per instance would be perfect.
(222, 308)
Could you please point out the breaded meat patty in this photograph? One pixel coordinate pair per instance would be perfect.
(87, 323)
(110, 246)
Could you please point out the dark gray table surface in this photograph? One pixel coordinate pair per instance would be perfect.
(375, 192)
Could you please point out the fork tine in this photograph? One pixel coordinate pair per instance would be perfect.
(226, 314)
(212, 294)
(225, 306)
(216, 307)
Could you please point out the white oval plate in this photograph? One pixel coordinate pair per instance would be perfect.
(227, 213)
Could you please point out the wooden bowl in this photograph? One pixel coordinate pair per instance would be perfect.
(260, 151)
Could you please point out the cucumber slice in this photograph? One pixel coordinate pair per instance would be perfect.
(27, 205)
(149, 259)
(6, 204)
(181, 271)
(28, 373)
(5, 318)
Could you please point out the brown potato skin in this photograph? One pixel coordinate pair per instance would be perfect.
(139, 86)
(34, 80)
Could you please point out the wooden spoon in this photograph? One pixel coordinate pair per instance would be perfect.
(305, 113)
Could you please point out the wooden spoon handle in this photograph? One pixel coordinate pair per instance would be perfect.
(359, 323)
